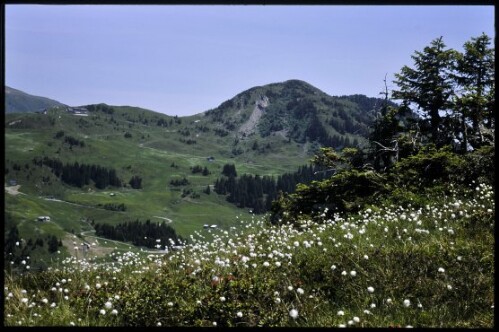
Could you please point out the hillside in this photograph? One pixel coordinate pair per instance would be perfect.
(398, 266)
(17, 101)
(299, 112)
(363, 248)
(174, 162)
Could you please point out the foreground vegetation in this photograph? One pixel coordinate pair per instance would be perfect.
(430, 266)
(400, 234)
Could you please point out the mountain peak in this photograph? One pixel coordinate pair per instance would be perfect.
(298, 111)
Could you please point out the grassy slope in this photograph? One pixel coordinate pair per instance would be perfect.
(149, 153)
(428, 267)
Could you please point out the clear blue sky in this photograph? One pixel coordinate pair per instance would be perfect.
(183, 60)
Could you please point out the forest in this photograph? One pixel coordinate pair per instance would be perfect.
(79, 175)
(143, 234)
(257, 192)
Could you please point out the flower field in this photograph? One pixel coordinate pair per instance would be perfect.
(389, 266)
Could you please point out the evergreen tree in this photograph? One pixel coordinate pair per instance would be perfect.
(53, 244)
(229, 170)
(429, 84)
(475, 78)
(136, 182)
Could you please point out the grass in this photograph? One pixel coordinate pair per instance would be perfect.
(389, 266)
(149, 153)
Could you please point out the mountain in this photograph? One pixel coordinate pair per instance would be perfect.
(118, 164)
(17, 101)
(299, 112)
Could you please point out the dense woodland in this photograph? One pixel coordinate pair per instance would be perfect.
(257, 192)
(144, 234)
(79, 175)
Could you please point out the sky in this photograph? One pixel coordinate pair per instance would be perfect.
(186, 59)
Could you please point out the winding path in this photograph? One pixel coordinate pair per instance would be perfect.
(85, 234)
(164, 218)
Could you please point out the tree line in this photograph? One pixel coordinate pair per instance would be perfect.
(79, 175)
(257, 192)
(144, 234)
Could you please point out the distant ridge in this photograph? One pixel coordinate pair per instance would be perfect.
(297, 111)
(17, 101)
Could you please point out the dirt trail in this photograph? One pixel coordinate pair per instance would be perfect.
(14, 190)
(164, 218)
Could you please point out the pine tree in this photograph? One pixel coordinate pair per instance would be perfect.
(475, 78)
(429, 84)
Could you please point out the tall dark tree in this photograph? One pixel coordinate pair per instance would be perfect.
(389, 126)
(229, 170)
(428, 85)
(136, 182)
(474, 74)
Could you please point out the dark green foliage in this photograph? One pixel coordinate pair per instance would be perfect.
(257, 193)
(113, 206)
(100, 108)
(59, 134)
(189, 192)
(73, 141)
(461, 84)
(430, 166)
(389, 135)
(139, 233)
(200, 169)
(299, 110)
(347, 191)
(53, 244)
(414, 180)
(17, 249)
(196, 169)
(184, 132)
(162, 122)
(136, 182)
(11, 238)
(221, 132)
(229, 170)
(480, 165)
(181, 182)
(428, 85)
(475, 75)
(80, 175)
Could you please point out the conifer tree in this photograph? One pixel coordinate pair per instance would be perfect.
(474, 75)
(428, 85)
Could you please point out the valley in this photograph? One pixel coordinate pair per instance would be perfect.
(248, 131)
